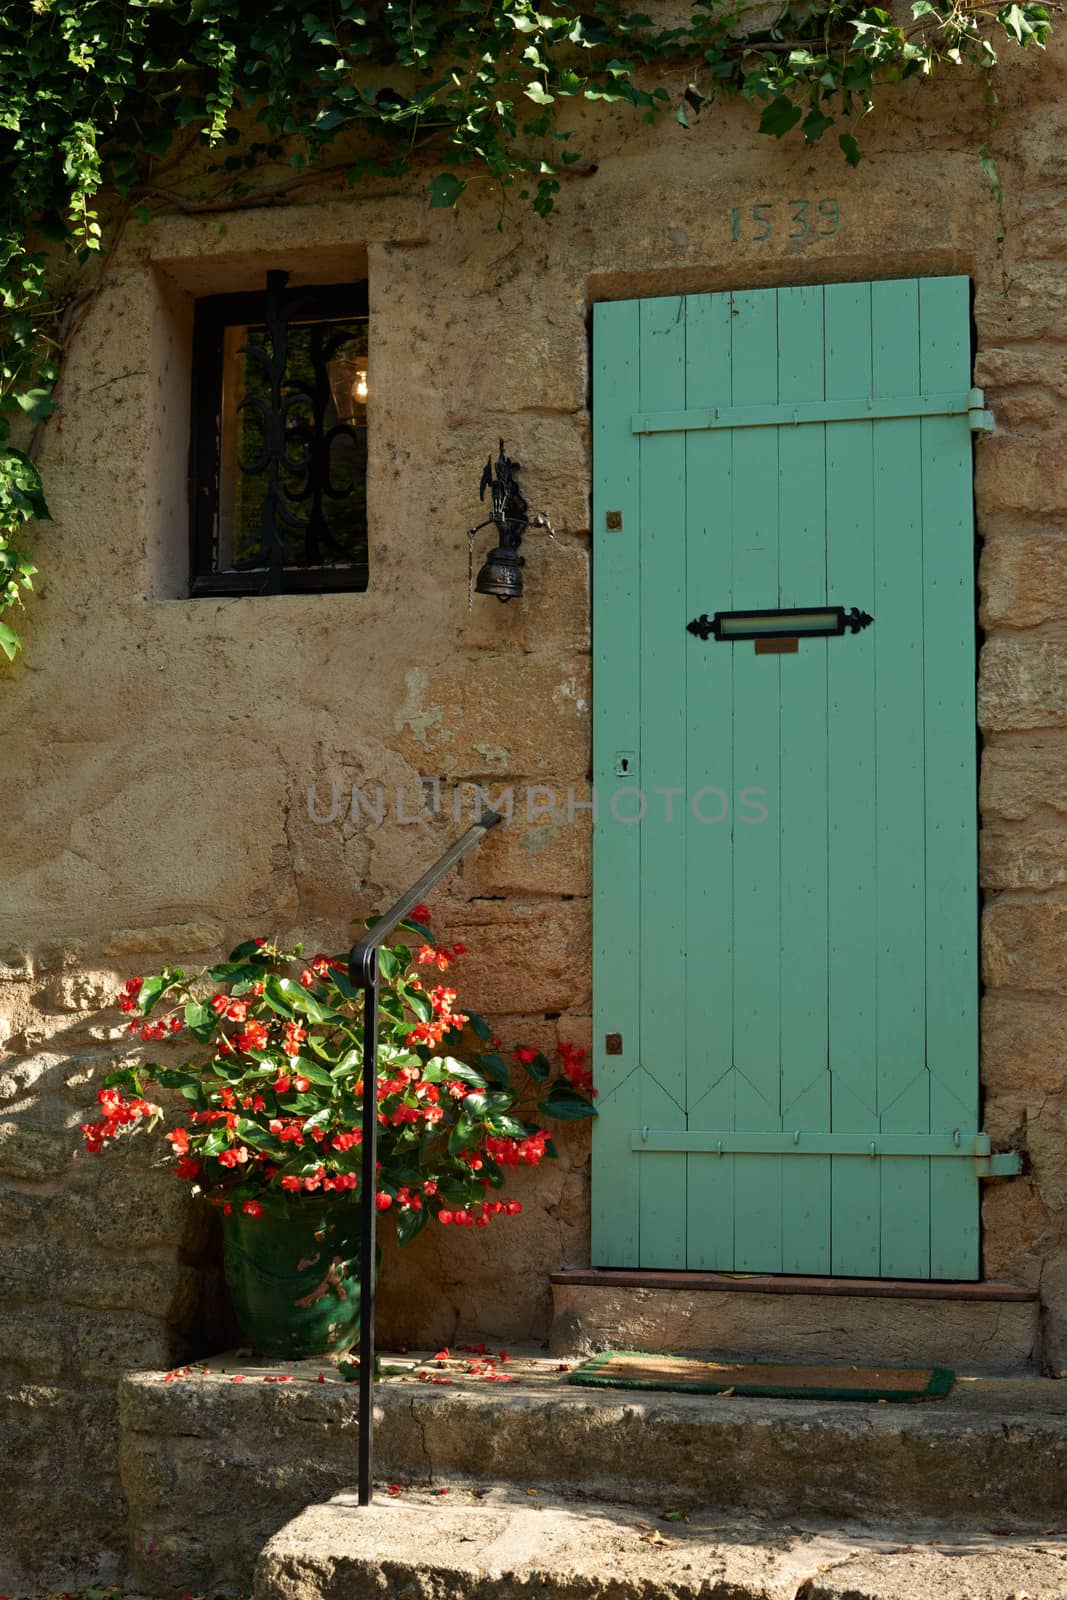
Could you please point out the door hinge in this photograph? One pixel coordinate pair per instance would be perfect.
(981, 421)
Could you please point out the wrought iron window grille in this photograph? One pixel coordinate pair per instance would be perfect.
(278, 458)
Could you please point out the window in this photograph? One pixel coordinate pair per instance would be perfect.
(279, 441)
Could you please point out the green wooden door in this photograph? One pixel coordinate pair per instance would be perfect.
(785, 973)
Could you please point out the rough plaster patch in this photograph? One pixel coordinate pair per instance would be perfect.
(413, 713)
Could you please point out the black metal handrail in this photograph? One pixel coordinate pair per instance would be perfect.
(363, 974)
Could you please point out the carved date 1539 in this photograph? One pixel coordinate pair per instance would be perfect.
(802, 220)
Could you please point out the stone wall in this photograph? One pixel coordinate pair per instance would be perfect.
(158, 751)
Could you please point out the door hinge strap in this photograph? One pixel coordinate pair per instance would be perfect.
(969, 403)
(680, 1141)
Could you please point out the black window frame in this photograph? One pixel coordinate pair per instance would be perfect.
(213, 314)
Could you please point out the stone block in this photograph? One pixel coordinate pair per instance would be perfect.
(48, 1341)
(33, 1153)
(1020, 481)
(83, 991)
(172, 939)
(14, 964)
(464, 717)
(536, 956)
(1024, 945)
(54, 954)
(1024, 1045)
(1022, 683)
(549, 855)
(39, 1268)
(64, 1513)
(1021, 779)
(1034, 306)
(1023, 581)
(112, 1201)
(972, 1335)
(1018, 858)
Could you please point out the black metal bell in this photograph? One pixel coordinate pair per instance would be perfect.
(502, 574)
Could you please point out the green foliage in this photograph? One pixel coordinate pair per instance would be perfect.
(100, 95)
(272, 1083)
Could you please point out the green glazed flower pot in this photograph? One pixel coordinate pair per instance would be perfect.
(294, 1279)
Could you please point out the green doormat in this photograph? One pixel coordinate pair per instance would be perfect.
(630, 1369)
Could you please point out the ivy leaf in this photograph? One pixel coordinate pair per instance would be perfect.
(850, 147)
(815, 125)
(445, 190)
(9, 641)
(779, 117)
(38, 403)
(539, 94)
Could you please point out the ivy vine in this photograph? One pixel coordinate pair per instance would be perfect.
(117, 98)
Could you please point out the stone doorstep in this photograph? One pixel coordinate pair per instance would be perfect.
(981, 1329)
(500, 1545)
(992, 1456)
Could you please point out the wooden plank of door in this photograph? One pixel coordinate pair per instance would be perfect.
(757, 884)
(663, 641)
(900, 898)
(855, 1195)
(616, 727)
(952, 875)
(805, 1066)
(710, 796)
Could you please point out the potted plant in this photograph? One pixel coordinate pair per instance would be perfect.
(270, 1127)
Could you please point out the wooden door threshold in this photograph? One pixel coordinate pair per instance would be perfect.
(781, 1283)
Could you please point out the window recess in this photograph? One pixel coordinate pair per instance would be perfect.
(279, 440)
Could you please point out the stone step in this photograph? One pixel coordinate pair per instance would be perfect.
(981, 1329)
(217, 1460)
(498, 1545)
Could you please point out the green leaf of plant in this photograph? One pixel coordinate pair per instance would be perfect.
(250, 1132)
(350, 1062)
(461, 1071)
(566, 1102)
(151, 989)
(480, 1027)
(418, 1002)
(539, 1068)
(779, 117)
(9, 641)
(445, 190)
(850, 148)
(200, 1020)
(289, 999)
(311, 1070)
(815, 125)
(463, 1135)
(411, 1222)
(495, 1069)
(250, 947)
(37, 403)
